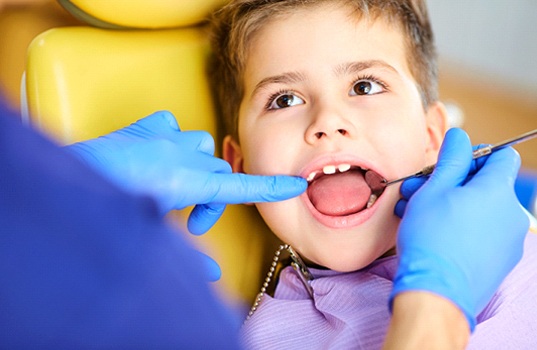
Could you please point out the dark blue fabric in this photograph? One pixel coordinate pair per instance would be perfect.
(84, 265)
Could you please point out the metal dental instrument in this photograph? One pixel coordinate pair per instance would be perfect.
(478, 153)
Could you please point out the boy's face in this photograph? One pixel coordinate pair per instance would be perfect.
(323, 91)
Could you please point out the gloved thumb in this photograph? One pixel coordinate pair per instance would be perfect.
(163, 125)
(454, 160)
(204, 216)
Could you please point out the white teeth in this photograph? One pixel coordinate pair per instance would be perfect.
(329, 169)
(343, 167)
(371, 200)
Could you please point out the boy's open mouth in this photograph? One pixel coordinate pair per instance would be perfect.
(340, 190)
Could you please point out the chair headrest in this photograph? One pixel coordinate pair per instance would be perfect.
(152, 14)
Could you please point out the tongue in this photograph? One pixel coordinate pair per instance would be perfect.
(340, 194)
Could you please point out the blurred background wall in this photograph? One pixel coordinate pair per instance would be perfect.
(488, 66)
(488, 51)
(489, 37)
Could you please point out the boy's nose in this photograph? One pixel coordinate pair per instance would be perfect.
(321, 134)
(328, 126)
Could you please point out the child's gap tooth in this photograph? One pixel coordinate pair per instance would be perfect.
(329, 169)
(343, 167)
(311, 176)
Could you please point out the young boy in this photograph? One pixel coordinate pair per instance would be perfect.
(328, 90)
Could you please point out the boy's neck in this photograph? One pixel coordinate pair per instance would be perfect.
(312, 265)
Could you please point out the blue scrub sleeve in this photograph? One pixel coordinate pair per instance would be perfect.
(85, 265)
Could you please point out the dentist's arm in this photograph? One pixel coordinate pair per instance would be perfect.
(422, 320)
(459, 237)
(154, 157)
(84, 265)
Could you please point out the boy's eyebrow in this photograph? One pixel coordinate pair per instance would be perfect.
(285, 78)
(340, 70)
(355, 67)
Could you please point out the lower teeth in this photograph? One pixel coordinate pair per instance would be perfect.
(371, 201)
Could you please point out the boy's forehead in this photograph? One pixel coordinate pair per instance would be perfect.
(314, 37)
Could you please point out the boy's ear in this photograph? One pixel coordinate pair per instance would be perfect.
(232, 154)
(437, 126)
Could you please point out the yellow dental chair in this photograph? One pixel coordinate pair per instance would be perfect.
(146, 55)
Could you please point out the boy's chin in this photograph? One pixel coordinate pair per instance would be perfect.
(347, 264)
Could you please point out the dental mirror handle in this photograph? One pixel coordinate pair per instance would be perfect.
(478, 153)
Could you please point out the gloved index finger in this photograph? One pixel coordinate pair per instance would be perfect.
(454, 160)
(410, 186)
(243, 188)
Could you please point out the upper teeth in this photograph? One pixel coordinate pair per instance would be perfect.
(343, 167)
(330, 169)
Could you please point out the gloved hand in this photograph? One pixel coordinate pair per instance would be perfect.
(178, 169)
(410, 186)
(460, 236)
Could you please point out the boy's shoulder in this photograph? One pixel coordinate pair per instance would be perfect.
(529, 258)
(520, 285)
(526, 270)
(508, 321)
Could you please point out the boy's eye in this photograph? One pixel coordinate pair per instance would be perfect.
(284, 101)
(366, 87)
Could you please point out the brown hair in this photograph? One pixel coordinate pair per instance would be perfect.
(235, 24)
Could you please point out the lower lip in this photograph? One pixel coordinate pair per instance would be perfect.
(347, 221)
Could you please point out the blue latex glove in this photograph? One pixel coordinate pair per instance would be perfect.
(177, 168)
(461, 235)
(153, 157)
(409, 187)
